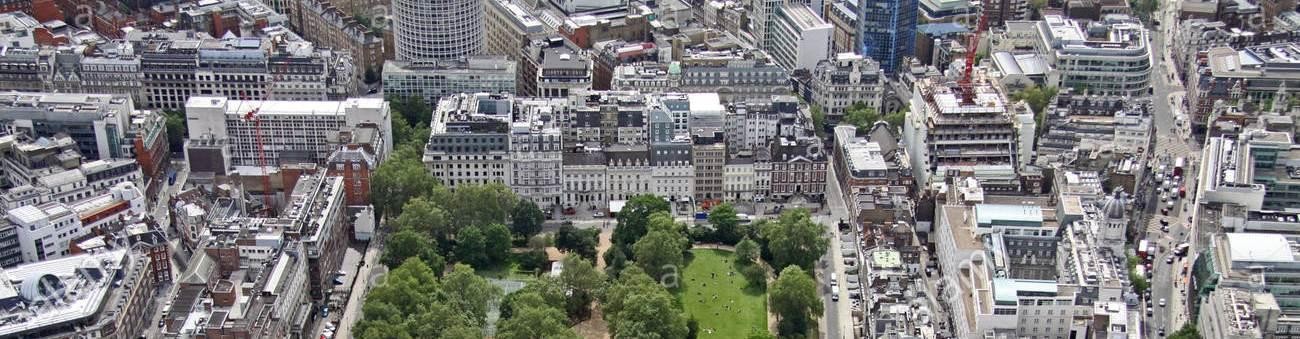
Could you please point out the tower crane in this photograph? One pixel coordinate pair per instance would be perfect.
(251, 116)
(972, 46)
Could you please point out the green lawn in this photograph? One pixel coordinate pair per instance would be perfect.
(737, 310)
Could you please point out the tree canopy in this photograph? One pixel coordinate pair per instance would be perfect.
(637, 307)
(795, 239)
(1188, 331)
(526, 219)
(412, 244)
(794, 300)
(725, 223)
(412, 303)
(398, 180)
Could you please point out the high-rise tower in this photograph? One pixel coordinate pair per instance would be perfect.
(437, 29)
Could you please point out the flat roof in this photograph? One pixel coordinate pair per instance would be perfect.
(1008, 290)
(1259, 247)
(988, 214)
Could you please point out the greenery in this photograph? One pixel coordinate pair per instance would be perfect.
(795, 301)
(794, 239)
(176, 129)
(582, 242)
(1037, 98)
(423, 216)
(1144, 8)
(526, 219)
(1135, 276)
(398, 180)
(413, 109)
(407, 244)
(819, 121)
(632, 223)
(1188, 331)
(747, 253)
(861, 116)
(1036, 8)
(533, 317)
(637, 307)
(477, 204)
(412, 302)
(660, 252)
(720, 299)
(724, 221)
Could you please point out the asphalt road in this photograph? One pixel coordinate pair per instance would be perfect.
(837, 322)
(1172, 141)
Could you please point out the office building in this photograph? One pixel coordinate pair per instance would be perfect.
(585, 179)
(1256, 73)
(800, 39)
(510, 27)
(46, 231)
(286, 131)
(446, 29)
(846, 80)
(709, 155)
(1110, 56)
(672, 170)
(469, 140)
(435, 79)
(553, 68)
(1238, 313)
(324, 23)
(886, 31)
(798, 169)
(535, 153)
(97, 123)
(105, 294)
(628, 171)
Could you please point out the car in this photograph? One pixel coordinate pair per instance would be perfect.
(1161, 332)
(1164, 210)
(835, 293)
(1164, 229)
(1169, 259)
(161, 322)
(598, 215)
(1162, 302)
(834, 281)
(1164, 222)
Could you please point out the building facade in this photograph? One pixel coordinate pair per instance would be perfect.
(427, 30)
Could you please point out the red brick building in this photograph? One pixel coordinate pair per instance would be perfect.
(353, 163)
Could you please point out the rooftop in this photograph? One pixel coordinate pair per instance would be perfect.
(57, 292)
(1260, 248)
(989, 215)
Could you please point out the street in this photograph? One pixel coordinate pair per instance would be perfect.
(1173, 140)
(838, 320)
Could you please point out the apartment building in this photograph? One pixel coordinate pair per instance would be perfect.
(734, 75)
(469, 140)
(585, 179)
(846, 80)
(553, 68)
(286, 131)
(435, 79)
(628, 172)
(321, 22)
(672, 169)
(535, 153)
(801, 38)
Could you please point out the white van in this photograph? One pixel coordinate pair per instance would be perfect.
(835, 293)
(834, 280)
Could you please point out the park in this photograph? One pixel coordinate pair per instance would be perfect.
(722, 301)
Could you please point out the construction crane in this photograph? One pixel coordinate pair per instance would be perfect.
(972, 46)
(251, 116)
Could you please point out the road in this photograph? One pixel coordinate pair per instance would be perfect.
(159, 213)
(1173, 140)
(838, 319)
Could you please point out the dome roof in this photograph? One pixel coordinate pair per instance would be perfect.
(1113, 209)
(40, 288)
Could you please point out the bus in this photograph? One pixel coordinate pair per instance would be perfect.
(1178, 166)
(1142, 248)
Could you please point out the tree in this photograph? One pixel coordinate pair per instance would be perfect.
(469, 292)
(1136, 277)
(421, 215)
(411, 303)
(583, 283)
(411, 244)
(1188, 331)
(176, 129)
(471, 247)
(818, 120)
(794, 239)
(526, 219)
(1038, 98)
(724, 221)
(634, 217)
(582, 242)
(896, 119)
(533, 319)
(412, 108)
(397, 181)
(1036, 8)
(794, 300)
(371, 76)
(746, 251)
(860, 115)
(477, 204)
(637, 307)
(660, 251)
(497, 243)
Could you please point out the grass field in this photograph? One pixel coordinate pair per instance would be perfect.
(723, 304)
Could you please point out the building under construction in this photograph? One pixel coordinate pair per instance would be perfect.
(970, 129)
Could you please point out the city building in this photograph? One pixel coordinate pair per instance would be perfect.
(1256, 170)
(1238, 313)
(435, 79)
(733, 77)
(209, 303)
(798, 169)
(426, 30)
(1110, 56)
(553, 68)
(46, 231)
(843, 16)
(800, 38)
(469, 140)
(948, 131)
(886, 31)
(322, 22)
(865, 167)
(610, 54)
(846, 80)
(1079, 124)
(240, 17)
(628, 172)
(256, 133)
(672, 170)
(1253, 74)
(97, 123)
(585, 179)
(630, 23)
(510, 27)
(1001, 11)
(535, 153)
(108, 294)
